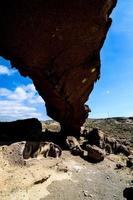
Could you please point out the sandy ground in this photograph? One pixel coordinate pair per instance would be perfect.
(65, 178)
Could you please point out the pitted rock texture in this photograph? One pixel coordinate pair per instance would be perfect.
(57, 43)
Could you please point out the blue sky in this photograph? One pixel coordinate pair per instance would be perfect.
(112, 94)
(18, 97)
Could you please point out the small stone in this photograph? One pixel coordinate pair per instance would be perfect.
(62, 168)
(90, 195)
(130, 161)
(120, 165)
(86, 193)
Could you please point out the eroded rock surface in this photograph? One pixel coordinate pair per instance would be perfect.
(57, 44)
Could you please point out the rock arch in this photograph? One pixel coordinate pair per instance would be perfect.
(57, 43)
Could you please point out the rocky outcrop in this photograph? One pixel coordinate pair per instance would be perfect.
(74, 146)
(35, 149)
(128, 193)
(111, 145)
(19, 130)
(130, 161)
(57, 44)
(94, 153)
(96, 137)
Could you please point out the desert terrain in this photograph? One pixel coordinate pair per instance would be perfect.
(68, 177)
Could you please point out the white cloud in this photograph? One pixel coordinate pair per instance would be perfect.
(19, 94)
(30, 87)
(36, 100)
(22, 93)
(4, 92)
(6, 71)
(20, 103)
(11, 110)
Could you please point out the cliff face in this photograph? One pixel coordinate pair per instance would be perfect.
(57, 43)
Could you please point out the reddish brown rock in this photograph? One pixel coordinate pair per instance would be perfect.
(95, 154)
(57, 43)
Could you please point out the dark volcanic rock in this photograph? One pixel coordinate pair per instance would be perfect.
(120, 165)
(128, 193)
(130, 161)
(96, 137)
(27, 129)
(57, 44)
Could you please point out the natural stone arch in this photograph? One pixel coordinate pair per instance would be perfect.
(57, 43)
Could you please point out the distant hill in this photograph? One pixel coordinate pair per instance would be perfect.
(118, 127)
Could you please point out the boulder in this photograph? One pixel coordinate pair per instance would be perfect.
(95, 154)
(115, 146)
(96, 137)
(74, 146)
(130, 161)
(123, 149)
(128, 193)
(27, 129)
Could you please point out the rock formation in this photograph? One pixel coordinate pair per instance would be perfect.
(95, 154)
(128, 193)
(98, 138)
(34, 149)
(19, 130)
(57, 44)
